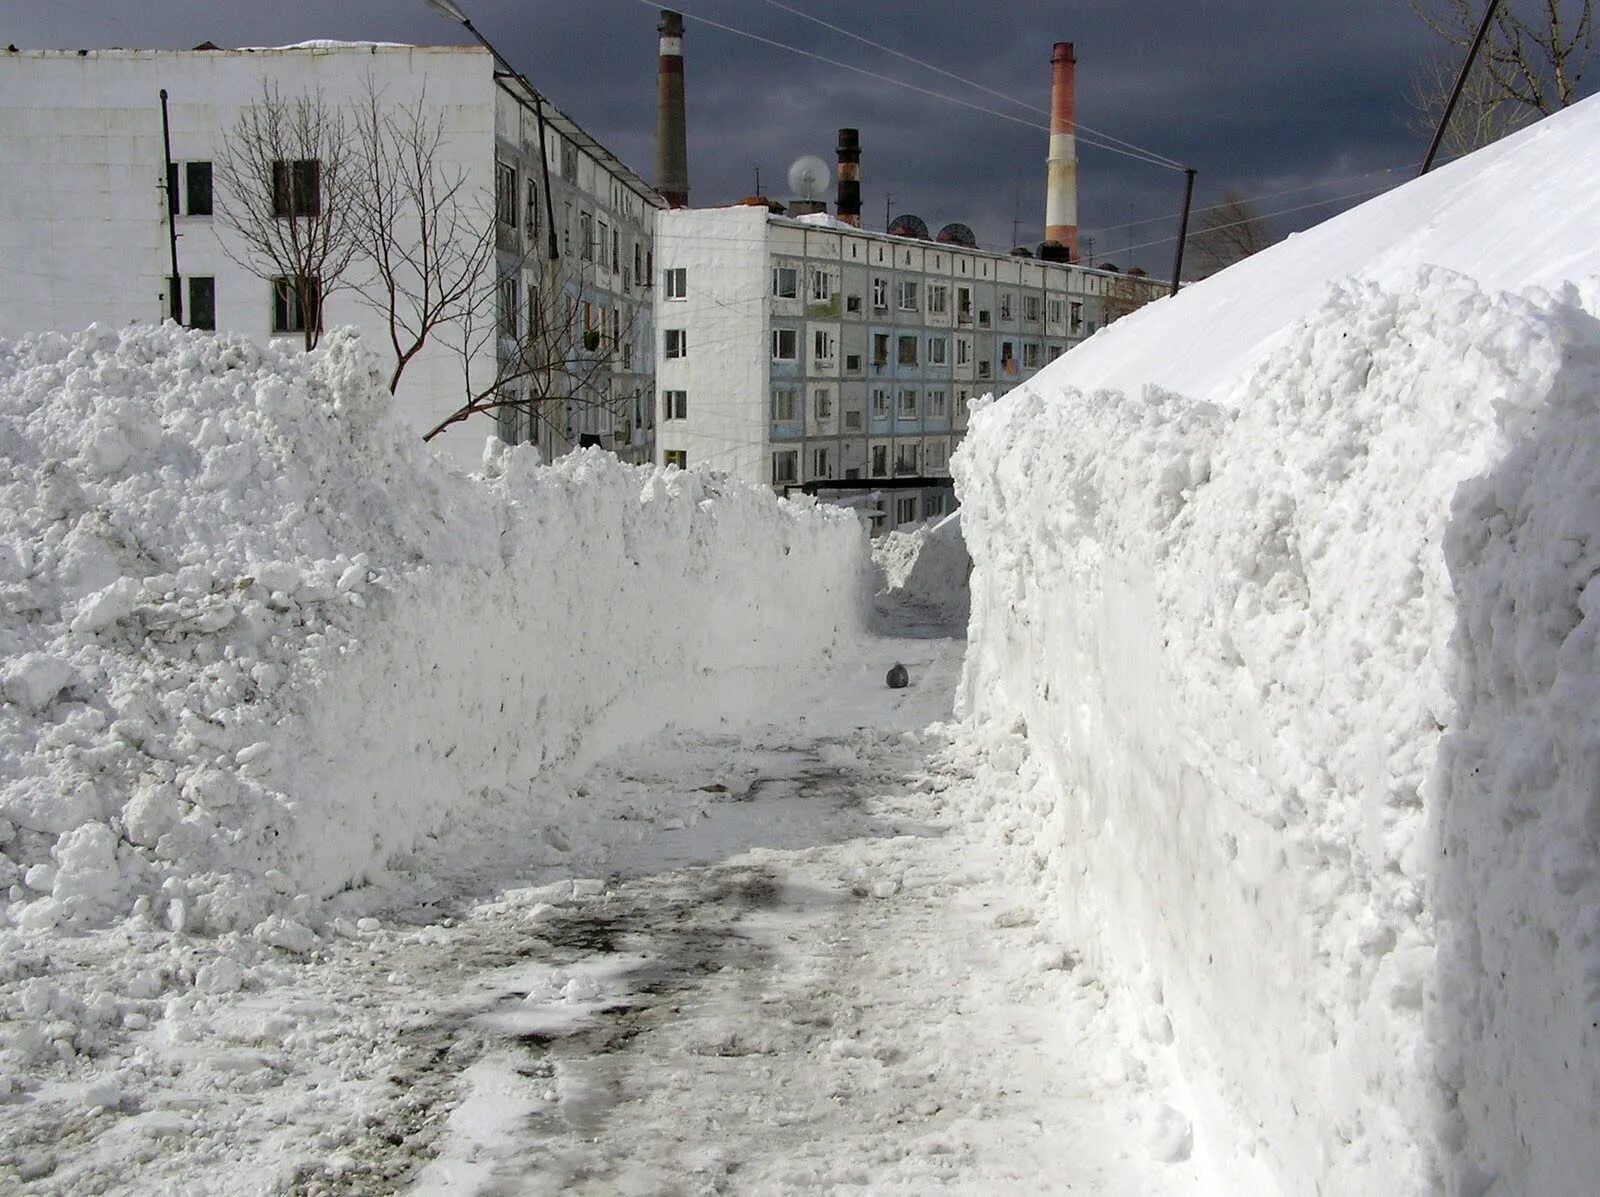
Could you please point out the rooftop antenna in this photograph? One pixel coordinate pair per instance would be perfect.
(888, 206)
(758, 180)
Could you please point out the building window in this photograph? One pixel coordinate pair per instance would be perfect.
(938, 404)
(822, 402)
(510, 307)
(880, 403)
(905, 457)
(1030, 355)
(852, 362)
(1030, 307)
(295, 306)
(820, 466)
(880, 461)
(823, 345)
(936, 458)
(933, 503)
(907, 409)
(880, 293)
(983, 317)
(601, 238)
(616, 251)
(675, 457)
(852, 421)
(566, 233)
(784, 282)
(1051, 352)
(963, 351)
(907, 297)
(1005, 305)
(569, 161)
(785, 344)
(785, 466)
(984, 370)
(202, 310)
(907, 350)
(197, 189)
(586, 236)
(1076, 324)
(852, 303)
(938, 349)
(531, 215)
(296, 188)
(785, 405)
(674, 405)
(1052, 309)
(1008, 359)
(964, 304)
(938, 297)
(880, 350)
(905, 510)
(505, 194)
(821, 286)
(677, 343)
(676, 282)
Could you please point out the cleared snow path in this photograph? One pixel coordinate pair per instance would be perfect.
(765, 959)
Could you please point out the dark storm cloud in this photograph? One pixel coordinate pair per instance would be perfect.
(1259, 97)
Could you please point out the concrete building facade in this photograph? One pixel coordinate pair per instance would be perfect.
(86, 194)
(805, 351)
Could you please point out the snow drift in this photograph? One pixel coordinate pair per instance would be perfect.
(256, 643)
(1308, 655)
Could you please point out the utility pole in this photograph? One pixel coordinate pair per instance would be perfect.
(1461, 81)
(1183, 226)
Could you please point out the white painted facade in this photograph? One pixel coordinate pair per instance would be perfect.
(814, 352)
(83, 201)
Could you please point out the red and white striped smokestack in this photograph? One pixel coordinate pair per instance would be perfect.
(672, 152)
(1061, 170)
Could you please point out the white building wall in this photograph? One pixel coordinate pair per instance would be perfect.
(83, 224)
(724, 315)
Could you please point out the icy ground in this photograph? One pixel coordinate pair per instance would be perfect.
(769, 958)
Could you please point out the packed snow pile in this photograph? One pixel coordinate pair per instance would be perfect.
(1306, 657)
(926, 567)
(256, 643)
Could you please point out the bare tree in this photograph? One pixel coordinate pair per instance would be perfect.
(288, 181)
(1483, 113)
(556, 348)
(1533, 59)
(1127, 292)
(426, 233)
(1228, 233)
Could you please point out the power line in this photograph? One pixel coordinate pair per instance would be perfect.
(1010, 99)
(1268, 215)
(1388, 170)
(1140, 156)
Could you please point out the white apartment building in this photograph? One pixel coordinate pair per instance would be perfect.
(798, 351)
(85, 233)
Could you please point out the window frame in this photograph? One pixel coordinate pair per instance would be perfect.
(674, 405)
(675, 344)
(794, 282)
(675, 282)
(793, 335)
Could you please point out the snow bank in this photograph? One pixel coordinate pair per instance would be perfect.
(256, 643)
(1311, 669)
(926, 567)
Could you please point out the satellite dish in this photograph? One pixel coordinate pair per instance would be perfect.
(808, 177)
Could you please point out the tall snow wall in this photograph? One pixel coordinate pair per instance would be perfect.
(1315, 677)
(257, 642)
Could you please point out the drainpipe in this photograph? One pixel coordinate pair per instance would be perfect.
(172, 219)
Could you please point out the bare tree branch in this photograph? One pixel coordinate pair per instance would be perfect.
(288, 179)
(1531, 65)
(1229, 233)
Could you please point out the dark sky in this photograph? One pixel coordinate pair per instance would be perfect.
(1294, 101)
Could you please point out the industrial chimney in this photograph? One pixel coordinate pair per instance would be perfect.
(849, 202)
(1061, 196)
(672, 154)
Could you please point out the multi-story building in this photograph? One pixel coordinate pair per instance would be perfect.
(99, 221)
(799, 352)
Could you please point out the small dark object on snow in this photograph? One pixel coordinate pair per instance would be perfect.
(898, 678)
